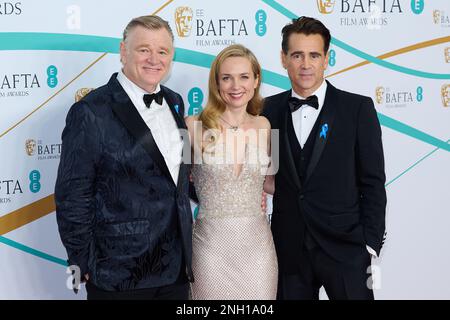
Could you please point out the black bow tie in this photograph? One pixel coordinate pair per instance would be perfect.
(158, 97)
(295, 103)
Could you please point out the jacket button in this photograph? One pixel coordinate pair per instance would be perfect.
(302, 197)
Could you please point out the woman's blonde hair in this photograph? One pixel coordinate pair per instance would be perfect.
(215, 106)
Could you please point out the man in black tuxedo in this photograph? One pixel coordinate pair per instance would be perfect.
(122, 202)
(329, 202)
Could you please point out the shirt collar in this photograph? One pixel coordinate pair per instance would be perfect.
(135, 92)
(320, 93)
(132, 87)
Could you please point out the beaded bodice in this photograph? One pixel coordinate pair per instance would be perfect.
(225, 188)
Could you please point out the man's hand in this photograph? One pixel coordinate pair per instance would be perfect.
(264, 203)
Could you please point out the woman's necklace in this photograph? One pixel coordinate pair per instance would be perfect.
(234, 127)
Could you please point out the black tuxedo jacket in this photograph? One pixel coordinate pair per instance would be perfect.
(342, 199)
(121, 217)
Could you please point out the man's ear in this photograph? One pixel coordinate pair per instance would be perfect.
(123, 51)
(283, 58)
(325, 63)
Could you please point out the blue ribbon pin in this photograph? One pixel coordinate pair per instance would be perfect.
(323, 131)
(176, 108)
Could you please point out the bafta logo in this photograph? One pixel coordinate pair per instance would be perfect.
(81, 93)
(183, 21)
(436, 16)
(325, 6)
(447, 54)
(379, 94)
(30, 147)
(445, 94)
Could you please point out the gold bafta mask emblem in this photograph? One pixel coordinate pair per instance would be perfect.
(447, 54)
(183, 21)
(436, 16)
(445, 94)
(81, 93)
(325, 6)
(30, 147)
(379, 94)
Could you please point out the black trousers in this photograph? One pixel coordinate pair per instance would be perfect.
(170, 292)
(176, 291)
(341, 280)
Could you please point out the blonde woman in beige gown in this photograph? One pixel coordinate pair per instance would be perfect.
(233, 252)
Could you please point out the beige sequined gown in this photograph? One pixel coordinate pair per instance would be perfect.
(233, 251)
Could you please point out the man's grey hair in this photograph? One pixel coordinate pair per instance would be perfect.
(151, 22)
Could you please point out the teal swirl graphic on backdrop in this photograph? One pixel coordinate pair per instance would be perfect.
(77, 42)
(338, 43)
(32, 251)
(71, 42)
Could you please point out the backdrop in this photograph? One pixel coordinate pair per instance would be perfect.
(396, 51)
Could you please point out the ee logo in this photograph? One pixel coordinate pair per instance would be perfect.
(52, 80)
(35, 177)
(260, 18)
(195, 98)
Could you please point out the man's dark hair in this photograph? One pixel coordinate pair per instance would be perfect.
(306, 26)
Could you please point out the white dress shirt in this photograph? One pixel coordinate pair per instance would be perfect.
(304, 118)
(161, 123)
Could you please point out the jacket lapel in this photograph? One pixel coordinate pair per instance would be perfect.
(285, 117)
(175, 108)
(325, 128)
(177, 112)
(136, 126)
